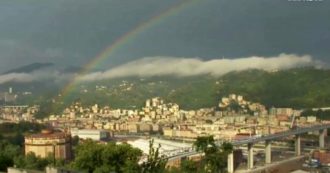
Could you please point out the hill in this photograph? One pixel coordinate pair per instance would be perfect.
(298, 88)
(29, 68)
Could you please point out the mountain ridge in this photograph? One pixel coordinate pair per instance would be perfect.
(29, 68)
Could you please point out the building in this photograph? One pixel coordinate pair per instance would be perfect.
(323, 156)
(311, 119)
(47, 170)
(299, 171)
(93, 134)
(48, 142)
(281, 111)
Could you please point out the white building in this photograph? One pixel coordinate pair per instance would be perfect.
(93, 134)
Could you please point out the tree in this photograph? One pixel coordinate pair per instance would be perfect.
(234, 106)
(155, 162)
(320, 114)
(100, 158)
(31, 161)
(75, 141)
(5, 162)
(215, 158)
(123, 158)
(17, 139)
(202, 143)
(55, 163)
(7, 153)
(189, 166)
(227, 147)
(88, 156)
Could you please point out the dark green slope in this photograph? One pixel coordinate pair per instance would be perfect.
(295, 88)
(299, 88)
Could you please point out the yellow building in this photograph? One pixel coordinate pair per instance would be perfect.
(168, 132)
(48, 142)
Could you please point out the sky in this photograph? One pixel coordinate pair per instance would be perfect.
(74, 32)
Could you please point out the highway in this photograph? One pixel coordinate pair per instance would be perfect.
(173, 155)
(275, 136)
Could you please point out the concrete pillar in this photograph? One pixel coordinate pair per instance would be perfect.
(230, 163)
(297, 145)
(250, 156)
(268, 152)
(321, 137)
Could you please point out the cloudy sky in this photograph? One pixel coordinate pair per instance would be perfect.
(73, 32)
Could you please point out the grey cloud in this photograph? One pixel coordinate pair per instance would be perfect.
(72, 32)
(15, 53)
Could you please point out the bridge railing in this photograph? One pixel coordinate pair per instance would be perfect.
(188, 151)
(281, 134)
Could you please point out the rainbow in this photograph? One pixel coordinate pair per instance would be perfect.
(125, 39)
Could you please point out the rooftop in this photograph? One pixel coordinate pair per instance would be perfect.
(48, 134)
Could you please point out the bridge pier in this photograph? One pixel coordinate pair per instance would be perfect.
(297, 145)
(230, 163)
(250, 156)
(321, 137)
(268, 152)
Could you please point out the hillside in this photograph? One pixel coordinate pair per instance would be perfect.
(299, 88)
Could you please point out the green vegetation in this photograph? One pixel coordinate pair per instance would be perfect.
(7, 153)
(22, 126)
(186, 166)
(33, 162)
(11, 154)
(11, 145)
(123, 158)
(215, 158)
(93, 157)
(320, 114)
(155, 162)
(297, 88)
(14, 133)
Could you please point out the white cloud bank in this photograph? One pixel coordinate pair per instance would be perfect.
(16, 77)
(38, 75)
(158, 66)
(180, 67)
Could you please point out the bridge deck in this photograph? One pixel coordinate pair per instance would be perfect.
(281, 134)
(185, 153)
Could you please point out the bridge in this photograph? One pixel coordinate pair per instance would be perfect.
(15, 106)
(321, 128)
(296, 131)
